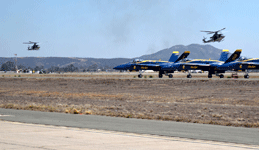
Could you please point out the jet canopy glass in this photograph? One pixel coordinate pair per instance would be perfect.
(136, 60)
(242, 58)
(185, 60)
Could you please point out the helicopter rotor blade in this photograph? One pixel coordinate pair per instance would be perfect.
(208, 32)
(30, 42)
(221, 30)
(211, 32)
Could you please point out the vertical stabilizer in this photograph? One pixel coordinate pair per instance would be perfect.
(234, 56)
(174, 56)
(184, 55)
(224, 55)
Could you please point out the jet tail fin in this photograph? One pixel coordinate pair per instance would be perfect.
(174, 56)
(224, 55)
(234, 56)
(184, 55)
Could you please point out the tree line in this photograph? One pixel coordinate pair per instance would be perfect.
(10, 66)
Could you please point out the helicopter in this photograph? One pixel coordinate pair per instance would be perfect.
(215, 38)
(35, 46)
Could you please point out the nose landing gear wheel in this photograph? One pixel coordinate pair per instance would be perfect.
(189, 76)
(140, 75)
(246, 76)
(221, 76)
(209, 76)
(170, 76)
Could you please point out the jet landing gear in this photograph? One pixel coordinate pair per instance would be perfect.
(160, 74)
(189, 75)
(209, 75)
(246, 76)
(140, 76)
(221, 76)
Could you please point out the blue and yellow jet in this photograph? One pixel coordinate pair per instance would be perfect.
(245, 65)
(219, 67)
(195, 64)
(155, 65)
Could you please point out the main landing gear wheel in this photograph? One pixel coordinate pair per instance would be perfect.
(209, 76)
(221, 76)
(140, 75)
(246, 76)
(170, 76)
(189, 76)
(160, 75)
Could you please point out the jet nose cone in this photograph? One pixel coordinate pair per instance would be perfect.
(120, 67)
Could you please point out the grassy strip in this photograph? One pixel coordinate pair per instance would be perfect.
(90, 110)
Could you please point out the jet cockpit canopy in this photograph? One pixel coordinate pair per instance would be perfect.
(185, 60)
(242, 58)
(136, 60)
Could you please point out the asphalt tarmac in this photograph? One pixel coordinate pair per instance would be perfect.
(238, 135)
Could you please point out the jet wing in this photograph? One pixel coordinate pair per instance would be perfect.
(247, 65)
(194, 66)
(155, 67)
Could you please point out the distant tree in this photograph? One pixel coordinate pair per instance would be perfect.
(54, 69)
(30, 68)
(38, 68)
(93, 67)
(21, 67)
(70, 68)
(8, 66)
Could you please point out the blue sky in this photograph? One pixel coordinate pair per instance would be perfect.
(124, 28)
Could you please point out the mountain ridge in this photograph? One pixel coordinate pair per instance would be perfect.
(197, 51)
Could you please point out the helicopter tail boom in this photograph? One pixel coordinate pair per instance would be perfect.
(204, 40)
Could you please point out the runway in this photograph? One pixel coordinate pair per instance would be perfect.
(17, 136)
(238, 135)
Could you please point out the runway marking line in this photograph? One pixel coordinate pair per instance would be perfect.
(6, 115)
(141, 135)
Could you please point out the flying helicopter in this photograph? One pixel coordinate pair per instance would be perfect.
(215, 38)
(35, 46)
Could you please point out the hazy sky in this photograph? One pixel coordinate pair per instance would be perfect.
(124, 28)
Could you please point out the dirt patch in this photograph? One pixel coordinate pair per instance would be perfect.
(223, 102)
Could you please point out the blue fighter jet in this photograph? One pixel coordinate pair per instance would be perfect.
(213, 67)
(194, 64)
(219, 68)
(246, 65)
(155, 65)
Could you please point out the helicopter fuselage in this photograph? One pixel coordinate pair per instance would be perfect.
(34, 47)
(215, 38)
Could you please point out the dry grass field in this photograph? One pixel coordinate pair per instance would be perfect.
(230, 102)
